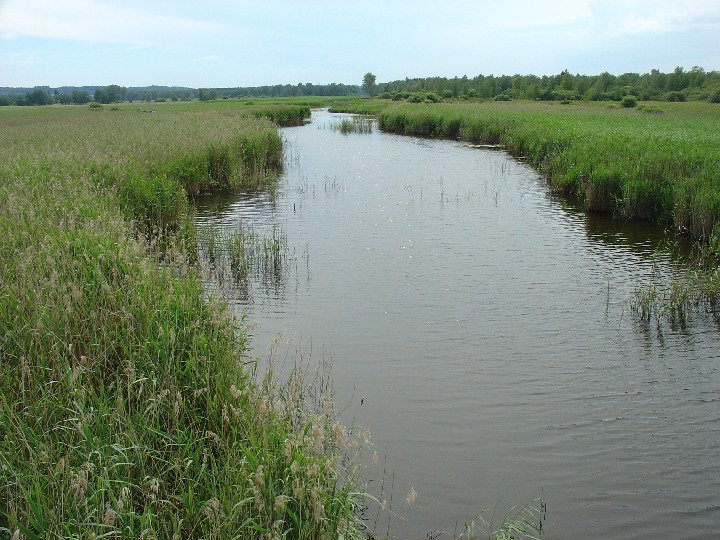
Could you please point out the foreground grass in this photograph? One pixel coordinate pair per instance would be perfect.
(126, 411)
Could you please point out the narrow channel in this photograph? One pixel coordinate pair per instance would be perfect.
(480, 329)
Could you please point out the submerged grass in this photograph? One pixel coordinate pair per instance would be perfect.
(128, 410)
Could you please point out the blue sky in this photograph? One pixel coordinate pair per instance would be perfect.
(215, 43)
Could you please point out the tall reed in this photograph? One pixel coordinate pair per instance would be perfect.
(127, 408)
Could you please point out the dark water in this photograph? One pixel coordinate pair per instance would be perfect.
(486, 326)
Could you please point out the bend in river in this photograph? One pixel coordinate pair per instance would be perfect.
(485, 325)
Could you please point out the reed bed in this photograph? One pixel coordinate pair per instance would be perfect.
(361, 106)
(128, 408)
(356, 124)
(661, 167)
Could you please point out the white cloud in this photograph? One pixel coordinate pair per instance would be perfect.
(663, 16)
(98, 22)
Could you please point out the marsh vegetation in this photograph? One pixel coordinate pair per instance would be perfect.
(127, 374)
(129, 407)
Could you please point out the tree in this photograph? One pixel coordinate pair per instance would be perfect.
(37, 97)
(79, 97)
(110, 94)
(368, 84)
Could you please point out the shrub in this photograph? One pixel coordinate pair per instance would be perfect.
(649, 109)
(95, 106)
(715, 96)
(628, 101)
(675, 96)
(423, 97)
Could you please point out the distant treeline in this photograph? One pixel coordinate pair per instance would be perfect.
(680, 85)
(45, 95)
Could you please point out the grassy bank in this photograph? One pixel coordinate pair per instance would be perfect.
(660, 165)
(126, 411)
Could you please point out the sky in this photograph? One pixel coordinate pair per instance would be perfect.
(223, 43)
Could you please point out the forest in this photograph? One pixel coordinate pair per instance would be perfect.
(680, 85)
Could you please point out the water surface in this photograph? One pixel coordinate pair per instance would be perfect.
(485, 325)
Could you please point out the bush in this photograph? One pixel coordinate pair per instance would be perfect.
(649, 109)
(423, 97)
(675, 96)
(628, 101)
(95, 106)
(715, 96)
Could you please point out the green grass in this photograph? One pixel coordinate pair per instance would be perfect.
(362, 106)
(128, 409)
(234, 257)
(356, 124)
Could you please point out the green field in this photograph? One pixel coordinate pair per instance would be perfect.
(128, 409)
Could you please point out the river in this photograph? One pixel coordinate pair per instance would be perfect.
(480, 329)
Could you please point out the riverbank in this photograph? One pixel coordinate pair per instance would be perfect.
(658, 163)
(655, 162)
(128, 407)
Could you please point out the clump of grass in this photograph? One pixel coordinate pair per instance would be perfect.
(522, 523)
(241, 254)
(356, 124)
(695, 289)
(156, 202)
